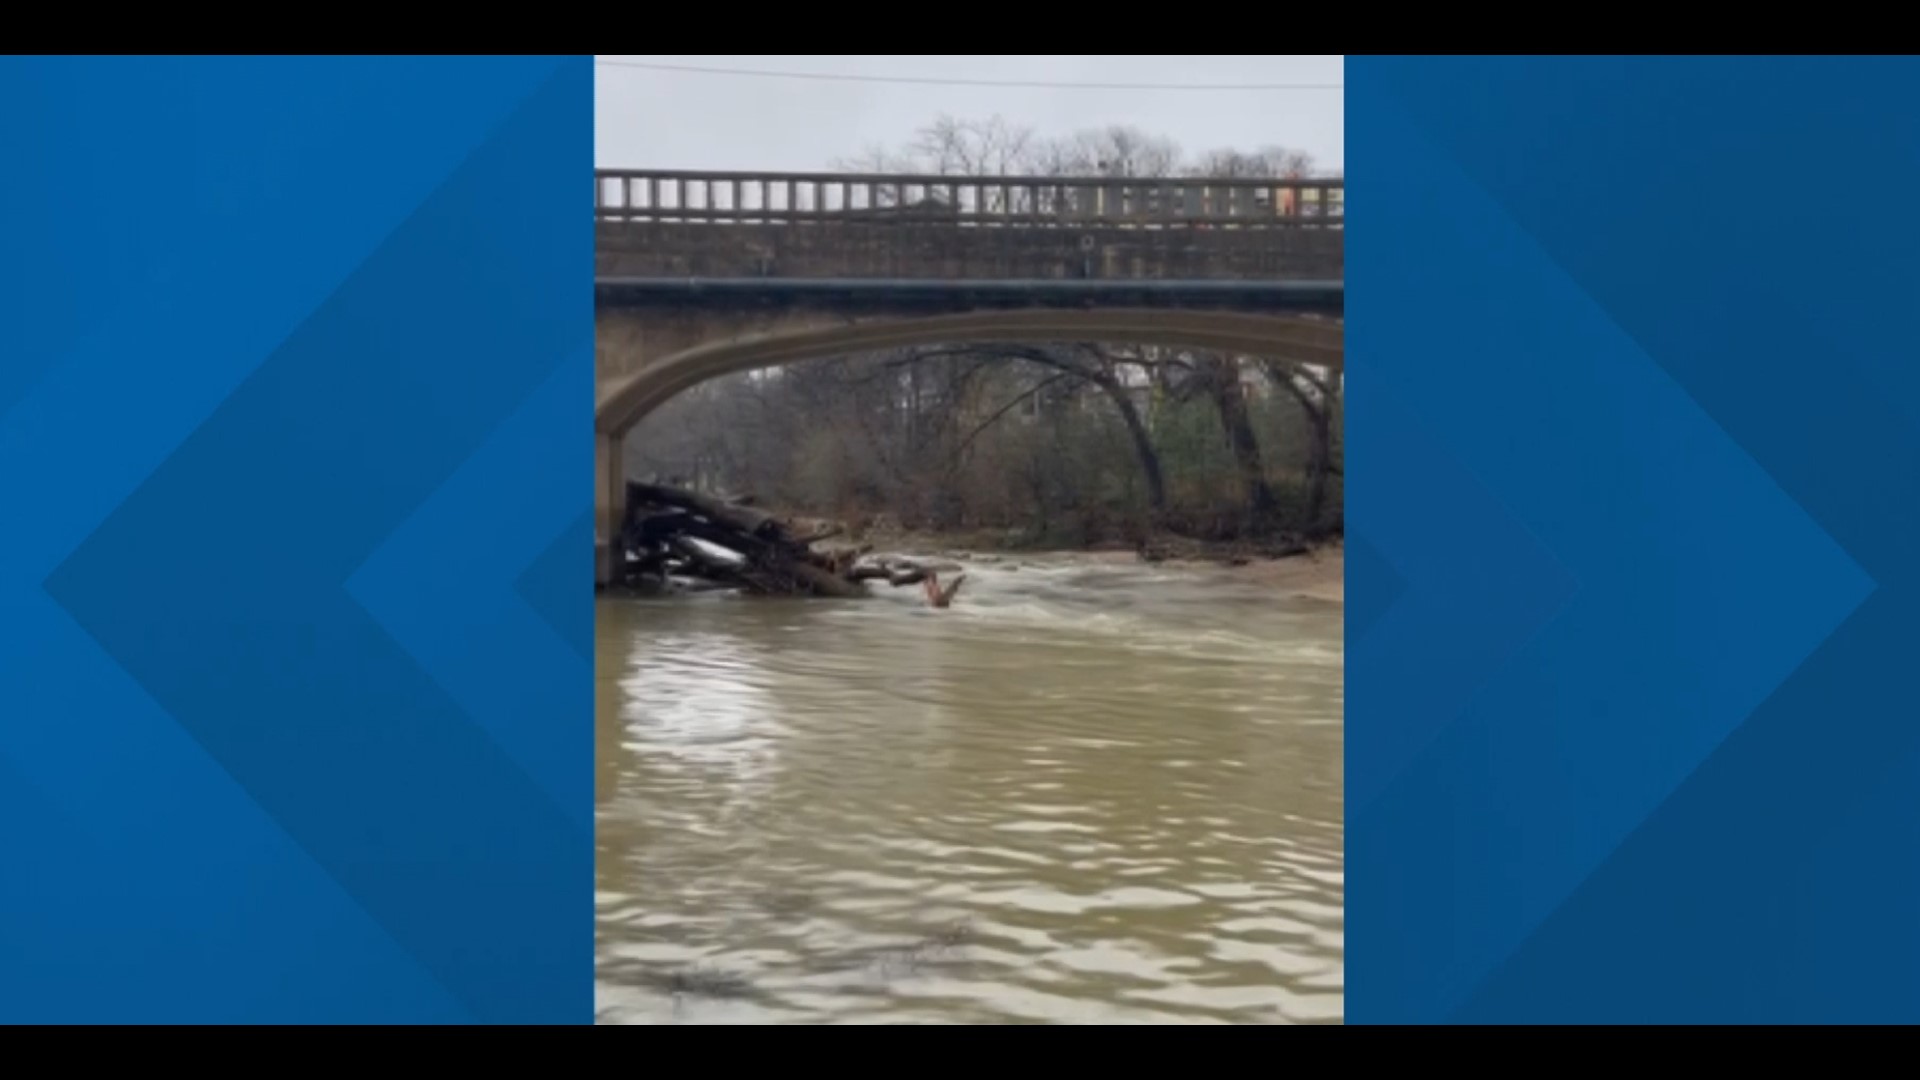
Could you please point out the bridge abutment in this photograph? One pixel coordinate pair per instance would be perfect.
(609, 504)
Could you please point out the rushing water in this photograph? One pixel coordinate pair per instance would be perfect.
(1083, 794)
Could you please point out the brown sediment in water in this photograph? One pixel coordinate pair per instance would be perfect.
(1175, 722)
(1319, 574)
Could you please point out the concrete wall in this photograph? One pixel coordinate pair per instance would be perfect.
(651, 249)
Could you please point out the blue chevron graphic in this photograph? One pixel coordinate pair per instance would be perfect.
(1376, 587)
(36, 832)
(1770, 887)
(445, 584)
(343, 277)
(292, 192)
(1702, 584)
(550, 585)
(1472, 596)
(136, 859)
(1713, 303)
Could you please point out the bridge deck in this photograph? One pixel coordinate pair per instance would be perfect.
(922, 294)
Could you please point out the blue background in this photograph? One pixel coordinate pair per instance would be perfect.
(295, 676)
(295, 543)
(1634, 447)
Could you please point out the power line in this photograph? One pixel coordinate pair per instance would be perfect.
(829, 77)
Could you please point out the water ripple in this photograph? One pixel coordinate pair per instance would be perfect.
(1079, 796)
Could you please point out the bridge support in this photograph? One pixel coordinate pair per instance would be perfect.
(609, 505)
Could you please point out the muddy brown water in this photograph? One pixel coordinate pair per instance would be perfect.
(1083, 794)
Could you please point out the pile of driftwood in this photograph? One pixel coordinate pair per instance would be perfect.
(674, 537)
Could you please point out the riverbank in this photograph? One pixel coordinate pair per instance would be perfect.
(1319, 574)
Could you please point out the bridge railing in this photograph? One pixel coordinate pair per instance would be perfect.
(1031, 201)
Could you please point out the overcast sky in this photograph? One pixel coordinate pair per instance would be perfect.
(698, 120)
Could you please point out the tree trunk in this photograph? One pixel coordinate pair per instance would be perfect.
(1318, 407)
(1142, 445)
(1101, 375)
(1230, 398)
(744, 518)
(1320, 463)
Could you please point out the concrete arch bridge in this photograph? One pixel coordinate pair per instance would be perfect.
(703, 275)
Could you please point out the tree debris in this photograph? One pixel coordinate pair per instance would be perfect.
(680, 538)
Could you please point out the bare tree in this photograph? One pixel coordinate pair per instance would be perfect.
(1116, 151)
(1318, 395)
(1276, 162)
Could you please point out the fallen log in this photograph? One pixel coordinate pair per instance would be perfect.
(666, 528)
(672, 532)
(697, 561)
(824, 582)
(746, 519)
(895, 578)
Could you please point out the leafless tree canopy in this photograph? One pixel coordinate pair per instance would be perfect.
(995, 147)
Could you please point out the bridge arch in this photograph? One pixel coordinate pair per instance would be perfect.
(654, 381)
(627, 401)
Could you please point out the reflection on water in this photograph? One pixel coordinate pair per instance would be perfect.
(1082, 795)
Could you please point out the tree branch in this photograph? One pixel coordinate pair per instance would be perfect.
(1002, 411)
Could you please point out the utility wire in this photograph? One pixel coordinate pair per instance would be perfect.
(830, 77)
